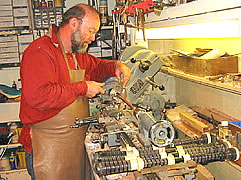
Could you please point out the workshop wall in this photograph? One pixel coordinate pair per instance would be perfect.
(8, 75)
(70, 3)
(190, 93)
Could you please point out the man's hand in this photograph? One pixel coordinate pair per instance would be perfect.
(94, 88)
(124, 70)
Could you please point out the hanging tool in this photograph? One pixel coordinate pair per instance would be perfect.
(142, 21)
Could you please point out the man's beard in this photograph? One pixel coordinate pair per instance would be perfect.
(78, 45)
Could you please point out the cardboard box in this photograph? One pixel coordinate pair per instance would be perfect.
(205, 67)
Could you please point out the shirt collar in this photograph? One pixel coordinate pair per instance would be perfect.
(52, 33)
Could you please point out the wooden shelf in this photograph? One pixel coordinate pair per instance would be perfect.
(13, 171)
(11, 145)
(201, 80)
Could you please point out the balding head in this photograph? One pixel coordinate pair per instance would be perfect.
(78, 11)
(87, 8)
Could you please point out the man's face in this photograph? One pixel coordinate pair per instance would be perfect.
(79, 45)
(85, 33)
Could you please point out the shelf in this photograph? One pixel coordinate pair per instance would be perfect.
(13, 171)
(106, 27)
(201, 80)
(11, 145)
(49, 8)
(9, 112)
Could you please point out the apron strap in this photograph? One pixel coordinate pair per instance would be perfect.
(65, 56)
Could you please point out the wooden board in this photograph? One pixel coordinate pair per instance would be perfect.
(203, 173)
(193, 122)
(213, 113)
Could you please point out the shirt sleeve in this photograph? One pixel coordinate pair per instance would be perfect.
(41, 85)
(101, 68)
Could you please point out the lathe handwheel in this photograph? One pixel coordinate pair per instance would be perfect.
(161, 133)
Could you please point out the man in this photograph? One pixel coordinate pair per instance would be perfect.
(58, 77)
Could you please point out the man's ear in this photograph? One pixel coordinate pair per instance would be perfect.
(74, 24)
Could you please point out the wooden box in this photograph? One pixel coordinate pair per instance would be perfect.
(205, 67)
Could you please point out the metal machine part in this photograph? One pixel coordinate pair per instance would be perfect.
(115, 164)
(144, 65)
(111, 87)
(128, 159)
(115, 139)
(152, 131)
(85, 121)
(108, 104)
(161, 133)
(161, 152)
(153, 101)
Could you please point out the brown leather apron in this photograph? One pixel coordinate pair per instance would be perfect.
(59, 152)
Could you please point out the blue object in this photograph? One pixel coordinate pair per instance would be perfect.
(12, 160)
(237, 123)
(9, 91)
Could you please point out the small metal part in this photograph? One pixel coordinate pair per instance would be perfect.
(161, 133)
(85, 121)
(155, 85)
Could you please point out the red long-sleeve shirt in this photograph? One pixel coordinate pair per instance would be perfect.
(46, 87)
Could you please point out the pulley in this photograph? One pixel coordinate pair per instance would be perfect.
(161, 133)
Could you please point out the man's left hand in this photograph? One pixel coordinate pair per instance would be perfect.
(124, 70)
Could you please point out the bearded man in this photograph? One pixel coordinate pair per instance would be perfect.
(58, 76)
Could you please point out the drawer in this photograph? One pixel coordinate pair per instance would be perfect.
(8, 38)
(8, 49)
(17, 12)
(9, 60)
(9, 55)
(7, 44)
(27, 38)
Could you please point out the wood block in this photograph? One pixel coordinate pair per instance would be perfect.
(193, 122)
(203, 173)
(211, 112)
(205, 67)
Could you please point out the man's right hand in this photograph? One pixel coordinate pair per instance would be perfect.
(94, 88)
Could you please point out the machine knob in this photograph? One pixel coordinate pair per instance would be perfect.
(144, 66)
(161, 87)
(103, 141)
(133, 60)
